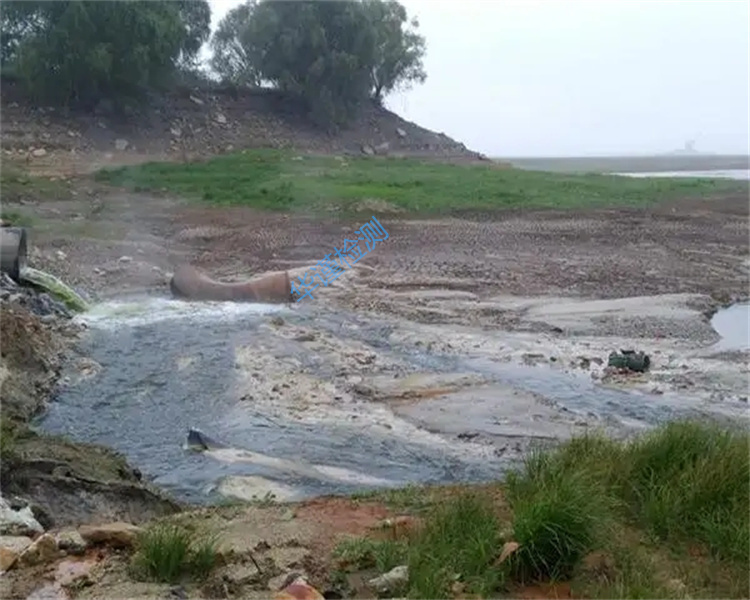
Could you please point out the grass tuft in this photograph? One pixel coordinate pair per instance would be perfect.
(560, 512)
(167, 553)
(459, 542)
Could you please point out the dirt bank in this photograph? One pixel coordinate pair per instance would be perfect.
(63, 482)
(195, 123)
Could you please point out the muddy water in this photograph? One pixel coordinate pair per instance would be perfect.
(144, 399)
(167, 366)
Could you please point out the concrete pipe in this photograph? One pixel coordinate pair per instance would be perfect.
(12, 251)
(190, 284)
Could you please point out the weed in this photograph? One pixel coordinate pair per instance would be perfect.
(558, 516)
(460, 541)
(365, 553)
(692, 481)
(166, 552)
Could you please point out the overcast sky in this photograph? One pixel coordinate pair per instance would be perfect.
(577, 77)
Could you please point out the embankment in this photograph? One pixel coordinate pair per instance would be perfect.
(62, 482)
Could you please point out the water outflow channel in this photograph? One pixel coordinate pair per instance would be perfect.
(142, 404)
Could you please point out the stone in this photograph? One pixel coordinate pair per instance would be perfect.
(125, 259)
(71, 541)
(508, 549)
(367, 150)
(298, 589)
(42, 550)
(39, 152)
(382, 148)
(392, 581)
(118, 534)
(11, 547)
(176, 131)
(17, 522)
(197, 101)
(400, 132)
(219, 118)
(121, 144)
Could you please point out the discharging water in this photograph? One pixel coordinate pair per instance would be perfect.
(55, 287)
(147, 396)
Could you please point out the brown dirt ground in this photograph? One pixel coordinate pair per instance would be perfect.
(698, 246)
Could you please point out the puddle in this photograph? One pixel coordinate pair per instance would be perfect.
(733, 325)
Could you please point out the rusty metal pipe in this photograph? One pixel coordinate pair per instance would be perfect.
(12, 251)
(190, 284)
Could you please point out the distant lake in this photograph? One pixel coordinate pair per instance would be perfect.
(714, 174)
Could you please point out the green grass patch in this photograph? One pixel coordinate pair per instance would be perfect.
(366, 553)
(666, 514)
(280, 180)
(17, 185)
(459, 543)
(168, 552)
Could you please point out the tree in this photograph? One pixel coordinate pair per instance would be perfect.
(398, 48)
(232, 44)
(78, 51)
(333, 55)
(196, 20)
(321, 52)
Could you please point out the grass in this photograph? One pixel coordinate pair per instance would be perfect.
(168, 552)
(280, 180)
(17, 185)
(664, 515)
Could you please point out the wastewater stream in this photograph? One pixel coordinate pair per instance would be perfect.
(142, 405)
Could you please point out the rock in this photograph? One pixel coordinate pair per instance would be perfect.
(399, 527)
(39, 152)
(61, 255)
(121, 144)
(298, 589)
(18, 522)
(382, 148)
(676, 587)
(118, 534)
(71, 541)
(197, 101)
(176, 131)
(400, 132)
(11, 547)
(368, 150)
(41, 551)
(125, 259)
(219, 118)
(508, 549)
(392, 581)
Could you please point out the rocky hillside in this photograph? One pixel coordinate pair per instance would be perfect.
(192, 123)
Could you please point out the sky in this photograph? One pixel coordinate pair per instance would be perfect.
(581, 77)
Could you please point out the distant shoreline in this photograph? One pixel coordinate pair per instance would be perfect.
(631, 164)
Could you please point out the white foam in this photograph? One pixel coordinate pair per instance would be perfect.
(145, 311)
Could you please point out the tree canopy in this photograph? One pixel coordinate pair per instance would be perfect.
(333, 55)
(78, 51)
